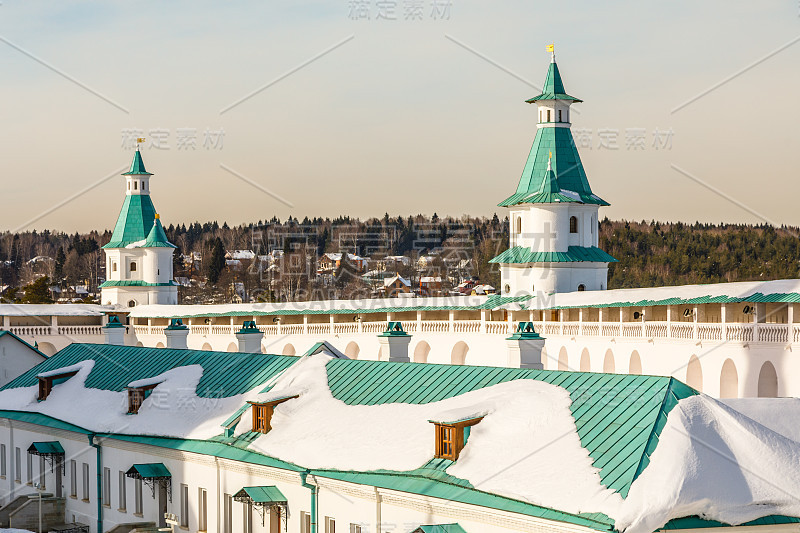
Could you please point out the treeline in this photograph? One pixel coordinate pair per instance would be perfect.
(654, 253)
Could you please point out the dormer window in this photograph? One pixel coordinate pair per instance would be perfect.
(263, 411)
(451, 437)
(137, 396)
(47, 382)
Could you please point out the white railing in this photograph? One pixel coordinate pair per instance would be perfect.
(655, 329)
(80, 330)
(681, 331)
(552, 328)
(319, 329)
(467, 326)
(773, 332)
(497, 328)
(269, 329)
(634, 329)
(410, 326)
(373, 327)
(740, 332)
(709, 332)
(611, 330)
(30, 330)
(346, 327)
(590, 329)
(796, 336)
(290, 329)
(436, 326)
(199, 330)
(222, 330)
(139, 330)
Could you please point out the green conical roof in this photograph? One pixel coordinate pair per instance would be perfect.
(134, 222)
(137, 166)
(157, 238)
(553, 87)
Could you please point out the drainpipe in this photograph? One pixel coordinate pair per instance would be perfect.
(99, 481)
(314, 495)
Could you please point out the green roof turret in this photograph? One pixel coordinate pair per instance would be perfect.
(137, 166)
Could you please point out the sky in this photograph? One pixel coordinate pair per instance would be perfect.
(291, 107)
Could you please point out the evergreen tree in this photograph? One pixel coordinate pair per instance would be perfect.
(58, 271)
(38, 292)
(216, 262)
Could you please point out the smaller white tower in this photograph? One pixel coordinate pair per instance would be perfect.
(139, 255)
(553, 214)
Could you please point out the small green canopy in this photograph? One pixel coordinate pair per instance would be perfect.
(440, 528)
(261, 495)
(46, 448)
(148, 471)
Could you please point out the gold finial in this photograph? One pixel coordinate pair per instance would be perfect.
(551, 47)
(158, 216)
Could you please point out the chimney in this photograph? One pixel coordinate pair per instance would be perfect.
(177, 334)
(394, 343)
(525, 347)
(114, 331)
(249, 337)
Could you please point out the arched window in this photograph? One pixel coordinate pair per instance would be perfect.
(507, 288)
(133, 266)
(132, 303)
(581, 287)
(573, 224)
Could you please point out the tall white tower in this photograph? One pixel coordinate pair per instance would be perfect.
(553, 213)
(139, 255)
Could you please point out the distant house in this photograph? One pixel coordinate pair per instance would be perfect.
(18, 357)
(425, 261)
(466, 287)
(393, 262)
(329, 262)
(396, 285)
(241, 255)
(483, 289)
(430, 285)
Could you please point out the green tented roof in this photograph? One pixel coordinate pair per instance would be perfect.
(135, 283)
(440, 528)
(523, 254)
(134, 221)
(536, 184)
(137, 166)
(266, 494)
(157, 238)
(553, 87)
(150, 470)
(46, 448)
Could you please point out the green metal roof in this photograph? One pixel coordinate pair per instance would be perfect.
(553, 87)
(523, 254)
(225, 373)
(536, 183)
(134, 221)
(699, 300)
(135, 283)
(440, 528)
(137, 166)
(266, 494)
(157, 238)
(150, 470)
(619, 417)
(46, 448)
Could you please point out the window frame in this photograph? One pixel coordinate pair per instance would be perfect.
(263, 411)
(106, 487)
(202, 509)
(122, 499)
(86, 482)
(137, 396)
(73, 478)
(573, 224)
(449, 438)
(184, 518)
(46, 384)
(3, 463)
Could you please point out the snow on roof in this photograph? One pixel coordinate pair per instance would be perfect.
(390, 281)
(430, 279)
(734, 290)
(53, 309)
(136, 244)
(242, 254)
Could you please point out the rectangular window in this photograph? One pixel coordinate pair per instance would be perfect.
(202, 510)
(262, 413)
(137, 494)
(73, 478)
(305, 522)
(85, 482)
(227, 515)
(3, 460)
(123, 497)
(42, 470)
(17, 465)
(29, 477)
(355, 528)
(107, 487)
(184, 505)
(330, 525)
(452, 437)
(247, 518)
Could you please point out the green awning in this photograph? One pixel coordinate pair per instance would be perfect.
(148, 471)
(440, 528)
(261, 495)
(46, 448)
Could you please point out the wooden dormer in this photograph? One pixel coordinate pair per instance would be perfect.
(46, 383)
(262, 413)
(450, 437)
(137, 396)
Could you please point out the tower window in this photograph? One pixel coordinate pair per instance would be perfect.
(519, 224)
(548, 115)
(573, 224)
(507, 288)
(129, 185)
(135, 185)
(559, 115)
(133, 266)
(114, 267)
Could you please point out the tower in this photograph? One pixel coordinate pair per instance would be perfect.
(139, 255)
(553, 213)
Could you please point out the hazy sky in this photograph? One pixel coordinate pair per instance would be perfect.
(399, 117)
